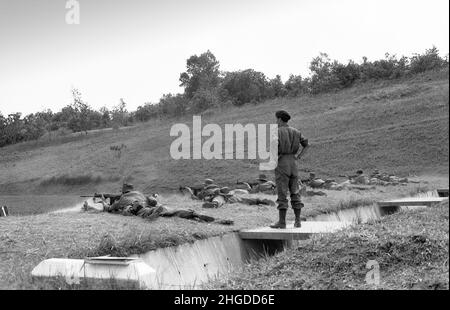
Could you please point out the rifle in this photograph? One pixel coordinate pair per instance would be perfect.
(112, 197)
(251, 183)
(348, 176)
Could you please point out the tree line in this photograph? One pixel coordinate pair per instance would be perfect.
(206, 86)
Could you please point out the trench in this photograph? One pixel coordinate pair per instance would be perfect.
(189, 266)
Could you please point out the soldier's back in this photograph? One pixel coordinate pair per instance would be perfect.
(128, 198)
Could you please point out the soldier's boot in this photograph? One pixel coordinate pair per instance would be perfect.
(297, 223)
(281, 224)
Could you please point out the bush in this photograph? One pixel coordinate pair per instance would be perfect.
(146, 112)
(246, 86)
(430, 60)
(277, 88)
(204, 99)
(294, 86)
(388, 68)
(346, 74)
(173, 105)
(322, 78)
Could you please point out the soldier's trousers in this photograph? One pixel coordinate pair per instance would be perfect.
(286, 179)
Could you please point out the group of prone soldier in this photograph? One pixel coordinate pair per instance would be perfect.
(134, 203)
(214, 196)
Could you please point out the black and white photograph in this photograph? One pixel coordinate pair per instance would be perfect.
(224, 152)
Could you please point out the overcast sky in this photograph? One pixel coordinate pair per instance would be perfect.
(136, 49)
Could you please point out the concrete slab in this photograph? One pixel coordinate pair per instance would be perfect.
(74, 270)
(291, 233)
(411, 201)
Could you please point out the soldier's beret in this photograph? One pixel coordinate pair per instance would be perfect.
(285, 117)
(211, 186)
(262, 177)
(225, 190)
(127, 186)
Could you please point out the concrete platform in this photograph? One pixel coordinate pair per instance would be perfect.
(97, 269)
(291, 233)
(411, 201)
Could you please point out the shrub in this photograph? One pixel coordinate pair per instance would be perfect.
(346, 74)
(204, 99)
(294, 86)
(388, 68)
(173, 104)
(430, 60)
(146, 112)
(246, 86)
(322, 78)
(277, 88)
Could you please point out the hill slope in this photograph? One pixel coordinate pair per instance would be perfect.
(400, 126)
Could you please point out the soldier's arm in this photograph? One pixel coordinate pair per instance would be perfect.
(103, 202)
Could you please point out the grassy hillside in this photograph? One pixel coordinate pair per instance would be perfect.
(399, 126)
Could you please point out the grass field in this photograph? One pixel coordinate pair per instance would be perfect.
(411, 249)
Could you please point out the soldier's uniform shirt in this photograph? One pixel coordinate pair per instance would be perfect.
(286, 172)
(132, 198)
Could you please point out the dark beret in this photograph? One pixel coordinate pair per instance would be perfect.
(127, 187)
(285, 117)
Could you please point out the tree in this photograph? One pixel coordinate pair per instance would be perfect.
(146, 112)
(294, 85)
(3, 125)
(428, 61)
(106, 117)
(202, 72)
(277, 87)
(246, 86)
(79, 116)
(119, 114)
(322, 77)
(173, 105)
(13, 130)
(346, 74)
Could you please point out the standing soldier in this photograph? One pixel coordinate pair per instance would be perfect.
(286, 173)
